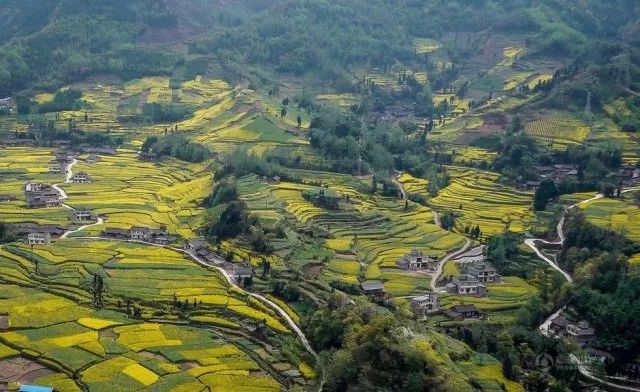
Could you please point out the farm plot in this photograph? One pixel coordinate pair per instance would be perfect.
(413, 185)
(503, 301)
(141, 273)
(558, 133)
(19, 166)
(372, 230)
(478, 199)
(129, 192)
(620, 215)
(108, 350)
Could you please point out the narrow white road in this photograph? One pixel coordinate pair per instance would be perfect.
(531, 242)
(271, 304)
(229, 279)
(544, 327)
(67, 233)
(434, 279)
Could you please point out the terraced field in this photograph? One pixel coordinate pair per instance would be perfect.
(373, 231)
(558, 133)
(47, 296)
(479, 199)
(104, 350)
(18, 166)
(125, 190)
(620, 215)
(129, 192)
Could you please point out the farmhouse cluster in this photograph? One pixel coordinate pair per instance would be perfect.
(143, 234)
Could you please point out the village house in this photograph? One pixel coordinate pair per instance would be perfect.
(81, 178)
(564, 171)
(154, 236)
(461, 312)
(416, 260)
(598, 355)
(99, 150)
(83, 215)
(92, 158)
(200, 249)
(39, 238)
(55, 169)
(240, 272)
(557, 173)
(41, 196)
(6, 103)
(14, 142)
(274, 180)
(483, 272)
(581, 332)
(628, 175)
(120, 234)
(467, 285)
(63, 158)
(5, 198)
(425, 304)
(373, 288)
(23, 230)
(195, 244)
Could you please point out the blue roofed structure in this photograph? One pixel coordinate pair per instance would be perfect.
(35, 388)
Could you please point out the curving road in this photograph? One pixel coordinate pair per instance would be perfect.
(544, 327)
(434, 279)
(271, 304)
(531, 242)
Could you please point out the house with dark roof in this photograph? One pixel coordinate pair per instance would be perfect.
(416, 260)
(580, 332)
(423, 305)
(81, 178)
(120, 234)
(83, 215)
(242, 271)
(467, 285)
(461, 312)
(41, 196)
(92, 158)
(373, 288)
(483, 272)
(195, 244)
(200, 248)
(154, 236)
(55, 168)
(34, 234)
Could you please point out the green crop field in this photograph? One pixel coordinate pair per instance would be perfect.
(621, 215)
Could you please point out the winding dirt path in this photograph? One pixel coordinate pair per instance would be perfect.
(436, 219)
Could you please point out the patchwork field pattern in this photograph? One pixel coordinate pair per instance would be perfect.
(123, 354)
